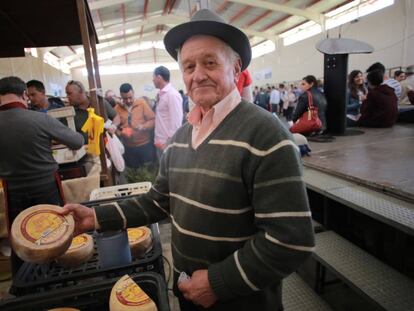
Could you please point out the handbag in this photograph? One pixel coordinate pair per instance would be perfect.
(309, 121)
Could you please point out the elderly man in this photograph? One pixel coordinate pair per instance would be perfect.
(230, 181)
(136, 124)
(26, 161)
(111, 97)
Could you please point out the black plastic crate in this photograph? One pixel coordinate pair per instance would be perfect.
(32, 278)
(89, 297)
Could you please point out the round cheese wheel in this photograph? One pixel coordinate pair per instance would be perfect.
(79, 252)
(127, 295)
(140, 240)
(40, 234)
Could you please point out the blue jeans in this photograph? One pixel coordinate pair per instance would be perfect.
(135, 157)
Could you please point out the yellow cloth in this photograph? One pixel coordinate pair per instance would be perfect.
(94, 127)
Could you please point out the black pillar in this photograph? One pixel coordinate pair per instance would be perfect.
(335, 88)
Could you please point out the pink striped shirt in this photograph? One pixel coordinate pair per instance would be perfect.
(204, 122)
(168, 114)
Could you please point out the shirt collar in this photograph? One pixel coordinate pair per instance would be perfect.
(165, 88)
(195, 116)
(12, 105)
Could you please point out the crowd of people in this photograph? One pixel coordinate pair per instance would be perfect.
(377, 100)
(373, 98)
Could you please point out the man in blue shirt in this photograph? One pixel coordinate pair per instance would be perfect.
(38, 99)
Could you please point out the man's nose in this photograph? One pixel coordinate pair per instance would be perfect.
(199, 74)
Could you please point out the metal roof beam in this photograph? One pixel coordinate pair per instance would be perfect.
(96, 5)
(307, 13)
(169, 19)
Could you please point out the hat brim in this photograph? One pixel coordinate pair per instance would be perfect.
(234, 37)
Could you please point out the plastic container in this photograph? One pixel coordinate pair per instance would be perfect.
(89, 297)
(34, 278)
(113, 248)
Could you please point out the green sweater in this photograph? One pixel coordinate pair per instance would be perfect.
(237, 204)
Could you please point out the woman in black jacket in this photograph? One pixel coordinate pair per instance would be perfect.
(310, 84)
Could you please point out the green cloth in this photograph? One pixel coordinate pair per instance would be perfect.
(238, 208)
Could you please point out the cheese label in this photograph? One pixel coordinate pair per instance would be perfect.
(78, 242)
(130, 294)
(44, 227)
(135, 234)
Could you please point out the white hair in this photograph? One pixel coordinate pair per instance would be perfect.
(231, 54)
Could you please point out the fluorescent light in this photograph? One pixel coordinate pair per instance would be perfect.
(344, 14)
(372, 6)
(55, 62)
(353, 11)
(301, 32)
(263, 48)
(132, 68)
(343, 8)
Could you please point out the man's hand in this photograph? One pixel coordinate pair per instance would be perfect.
(198, 290)
(83, 216)
(127, 132)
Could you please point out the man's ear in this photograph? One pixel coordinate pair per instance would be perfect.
(237, 70)
(25, 96)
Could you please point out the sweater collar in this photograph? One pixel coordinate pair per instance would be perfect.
(13, 105)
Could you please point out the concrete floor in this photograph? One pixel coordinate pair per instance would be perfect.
(381, 158)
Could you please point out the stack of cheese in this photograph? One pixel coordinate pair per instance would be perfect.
(127, 295)
(79, 252)
(140, 241)
(40, 234)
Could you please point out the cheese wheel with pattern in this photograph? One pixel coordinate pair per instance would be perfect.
(79, 252)
(40, 234)
(140, 241)
(127, 295)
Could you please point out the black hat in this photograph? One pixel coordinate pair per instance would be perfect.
(206, 22)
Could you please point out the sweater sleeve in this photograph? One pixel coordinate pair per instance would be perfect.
(111, 113)
(141, 210)
(284, 237)
(63, 134)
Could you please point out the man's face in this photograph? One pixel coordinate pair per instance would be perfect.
(74, 94)
(110, 94)
(128, 98)
(36, 97)
(156, 80)
(208, 73)
(401, 77)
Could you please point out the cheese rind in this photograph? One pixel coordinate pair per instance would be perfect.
(40, 233)
(140, 241)
(127, 295)
(79, 252)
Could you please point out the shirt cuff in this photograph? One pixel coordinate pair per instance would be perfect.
(110, 217)
(95, 220)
